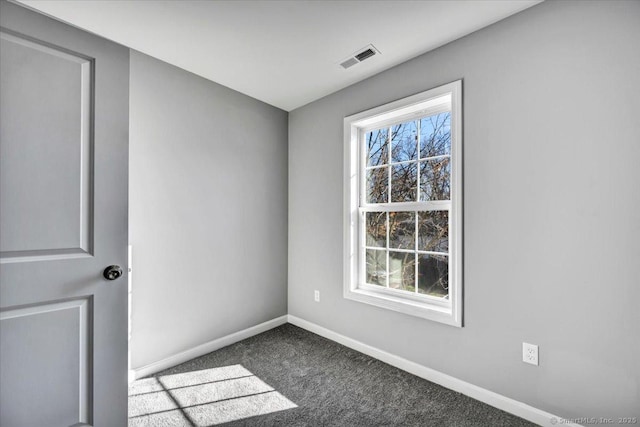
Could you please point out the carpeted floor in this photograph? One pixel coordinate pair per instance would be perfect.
(290, 377)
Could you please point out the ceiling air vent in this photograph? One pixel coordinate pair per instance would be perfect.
(362, 54)
(365, 54)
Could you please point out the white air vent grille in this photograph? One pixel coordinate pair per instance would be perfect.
(362, 54)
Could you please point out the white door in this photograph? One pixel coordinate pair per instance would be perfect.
(63, 219)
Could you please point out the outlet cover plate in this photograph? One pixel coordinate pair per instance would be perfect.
(530, 353)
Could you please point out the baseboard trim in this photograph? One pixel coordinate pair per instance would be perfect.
(496, 400)
(208, 347)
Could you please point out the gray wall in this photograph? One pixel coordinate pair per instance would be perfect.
(551, 228)
(208, 210)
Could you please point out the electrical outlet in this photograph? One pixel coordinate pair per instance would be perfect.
(530, 353)
(316, 296)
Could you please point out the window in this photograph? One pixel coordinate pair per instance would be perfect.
(403, 201)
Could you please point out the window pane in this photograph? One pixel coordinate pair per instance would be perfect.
(433, 275)
(435, 135)
(402, 230)
(433, 231)
(402, 270)
(404, 142)
(378, 185)
(404, 180)
(377, 267)
(377, 229)
(377, 147)
(435, 179)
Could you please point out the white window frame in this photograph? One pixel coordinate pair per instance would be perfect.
(444, 98)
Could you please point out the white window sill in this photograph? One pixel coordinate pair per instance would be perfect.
(438, 311)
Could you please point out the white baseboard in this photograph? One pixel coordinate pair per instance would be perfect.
(207, 347)
(496, 400)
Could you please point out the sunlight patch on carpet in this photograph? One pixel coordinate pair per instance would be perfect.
(202, 398)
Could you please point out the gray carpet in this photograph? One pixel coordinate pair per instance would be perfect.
(290, 377)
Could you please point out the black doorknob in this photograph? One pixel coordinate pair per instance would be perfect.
(112, 272)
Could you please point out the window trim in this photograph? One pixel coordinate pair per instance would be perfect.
(415, 106)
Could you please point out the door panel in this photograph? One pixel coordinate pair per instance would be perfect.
(63, 219)
(54, 92)
(47, 348)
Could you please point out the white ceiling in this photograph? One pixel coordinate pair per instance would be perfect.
(285, 53)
